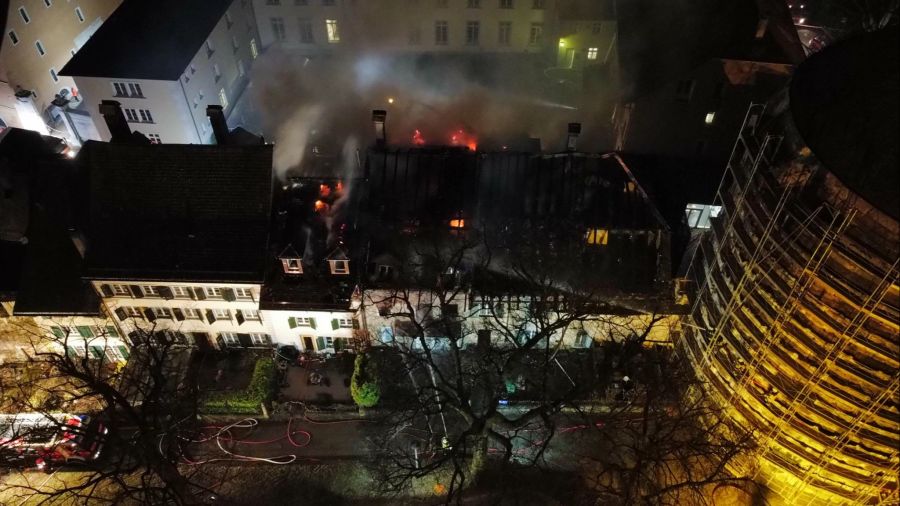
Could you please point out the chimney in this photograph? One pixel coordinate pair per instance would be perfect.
(574, 131)
(217, 119)
(115, 121)
(378, 118)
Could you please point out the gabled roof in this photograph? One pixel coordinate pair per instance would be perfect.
(289, 252)
(148, 39)
(169, 211)
(337, 254)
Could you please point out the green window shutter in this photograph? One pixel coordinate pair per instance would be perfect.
(228, 294)
(97, 352)
(106, 290)
(58, 332)
(71, 351)
(334, 324)
(85, 331)
(112, 332)
(292, 322)
(312, 322)
(124, 351)
(320, 343)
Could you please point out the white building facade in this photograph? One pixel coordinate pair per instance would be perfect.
(170, 107)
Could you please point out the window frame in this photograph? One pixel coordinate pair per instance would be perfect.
(42, 51)
(79, 14)
(23, 15)
(332, 31)
(13, 37)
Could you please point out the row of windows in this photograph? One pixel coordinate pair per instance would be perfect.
(84, 331)
(295, 266)
(232, 339)
(187, 313)
(131, 90)
(441, 4)
(109, 353)
(138, 115)
(176, 292)
(336, 323)
(441, 33)
(26, 18)
(224, 339)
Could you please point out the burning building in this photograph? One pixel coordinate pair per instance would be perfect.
(794, 320)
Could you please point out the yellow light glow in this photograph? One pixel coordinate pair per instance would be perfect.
(390, 100)
(562, 43)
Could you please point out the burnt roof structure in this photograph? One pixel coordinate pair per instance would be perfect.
(314, 222)
(186, 212)
(166, 33)
(589, 213)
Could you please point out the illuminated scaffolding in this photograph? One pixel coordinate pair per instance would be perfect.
(794, 323)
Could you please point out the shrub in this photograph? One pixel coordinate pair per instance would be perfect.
(246, 401)
(364, 386)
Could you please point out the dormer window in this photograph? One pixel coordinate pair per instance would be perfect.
(291, 262)
(292, 266)
(339, 266)
(385, 271)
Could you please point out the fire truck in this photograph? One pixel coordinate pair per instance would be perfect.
(45, 442)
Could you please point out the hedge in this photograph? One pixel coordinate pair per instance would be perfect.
(247, 401)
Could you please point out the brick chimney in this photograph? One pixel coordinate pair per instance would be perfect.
(217, 119)
(119, 130)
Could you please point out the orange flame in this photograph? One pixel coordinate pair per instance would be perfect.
(324, 190)
(320, 206)
(417, 138)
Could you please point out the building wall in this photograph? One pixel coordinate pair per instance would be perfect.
(673, 123)
(405, 25)
(25, 337)
(233, 40)
(60, 32)
(179, 107)
(588, 42)
(131, 303)
(322, 330)
(474, 317)
(172, 120)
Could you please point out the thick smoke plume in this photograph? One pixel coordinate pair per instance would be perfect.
(500, 100)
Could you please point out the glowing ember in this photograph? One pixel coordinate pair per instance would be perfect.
(417, 138)
(340, 187)
(457, 223)
(324, 190)
(321, 206)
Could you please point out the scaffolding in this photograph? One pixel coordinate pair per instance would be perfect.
(752, 199)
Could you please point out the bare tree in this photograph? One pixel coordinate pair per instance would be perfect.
(139, 405)
(664, 441)
(482, 323)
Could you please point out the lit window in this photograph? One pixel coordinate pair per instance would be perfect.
(292, 265)
(340, 266)
(223, 98)
(254, 52)
(710, 117)
(331, 26)
(598, 236)
(592, 53)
